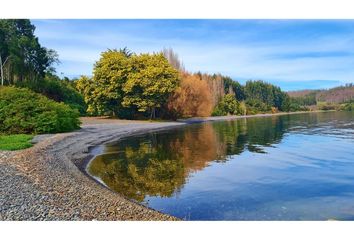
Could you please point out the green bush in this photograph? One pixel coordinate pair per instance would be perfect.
(227, 106)
(58, 90)
(23, 111)
(255, 106)
(347, 106)
(326, 106)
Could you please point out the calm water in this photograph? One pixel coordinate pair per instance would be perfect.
(293, 167)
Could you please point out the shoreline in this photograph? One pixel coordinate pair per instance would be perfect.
(49, 182)
(234, 117)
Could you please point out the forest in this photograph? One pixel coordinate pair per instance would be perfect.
(123, 84)
(338, 98)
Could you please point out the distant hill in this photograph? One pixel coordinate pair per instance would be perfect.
(334, 95)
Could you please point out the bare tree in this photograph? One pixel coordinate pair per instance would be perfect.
(173, 59)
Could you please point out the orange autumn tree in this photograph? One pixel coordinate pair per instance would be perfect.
(191, 99)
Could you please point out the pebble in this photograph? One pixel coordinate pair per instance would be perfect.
(45, 182)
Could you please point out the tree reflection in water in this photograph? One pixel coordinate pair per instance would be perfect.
(158, 164)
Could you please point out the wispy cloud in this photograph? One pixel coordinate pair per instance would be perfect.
(286, 51)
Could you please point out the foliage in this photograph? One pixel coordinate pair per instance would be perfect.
(341, 94)
(306, 100)
(255, 106)
(150, 82)
(191, 99)
(125, 84)
(326, 106)
(23, 111)
(104, 92)
(261, 96)
(349, 106)
(15, 142)
(58, 90)
(243, 108)
(25, 59)
(294, 107)
(227, 106)
(232, 86)
(216, 85)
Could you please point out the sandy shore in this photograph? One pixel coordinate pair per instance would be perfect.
(47, 181)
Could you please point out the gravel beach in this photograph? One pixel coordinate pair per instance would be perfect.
(44, 182)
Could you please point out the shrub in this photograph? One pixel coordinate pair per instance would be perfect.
(326, 106)
(256, 106)
(349, 106)
(227, 106)
(58, 90)
(23, 111)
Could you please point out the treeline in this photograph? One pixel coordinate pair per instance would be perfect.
(129, 85)
(338, 98)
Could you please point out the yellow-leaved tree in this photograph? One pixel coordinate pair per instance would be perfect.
(150, 83)
(124, 84)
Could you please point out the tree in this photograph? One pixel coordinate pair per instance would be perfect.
(191, 99)
(173, 59)
(231, 86)
(23, 58)
(262, 96)
(216, 85)
(228, 106)
(109, 76)
(125, 84)
(86, 86)
(150, 82)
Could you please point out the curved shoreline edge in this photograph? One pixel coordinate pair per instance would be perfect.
(48, 181)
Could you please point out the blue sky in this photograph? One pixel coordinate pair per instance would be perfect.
(294, 54)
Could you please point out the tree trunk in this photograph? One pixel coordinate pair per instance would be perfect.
(1, 72)
(152, 115)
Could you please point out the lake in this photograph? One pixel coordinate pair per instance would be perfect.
(288, 167)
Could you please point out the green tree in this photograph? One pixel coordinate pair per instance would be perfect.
(85, 85)
(150, 83)
(22, 57)
(227, 106)
(125, 84)
(261, 96)
(235, 87)
(109, 76)
(58, 90)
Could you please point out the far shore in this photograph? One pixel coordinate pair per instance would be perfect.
(232, 117)
(48, 181)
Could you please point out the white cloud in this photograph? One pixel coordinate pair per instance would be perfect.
(254, 59)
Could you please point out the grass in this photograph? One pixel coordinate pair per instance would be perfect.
(15, 142)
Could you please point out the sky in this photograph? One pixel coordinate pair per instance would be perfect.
(293, 54)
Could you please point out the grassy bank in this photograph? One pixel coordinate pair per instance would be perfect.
(15, 142)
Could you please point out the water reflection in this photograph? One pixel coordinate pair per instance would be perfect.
(161, 164)
(157, 164)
